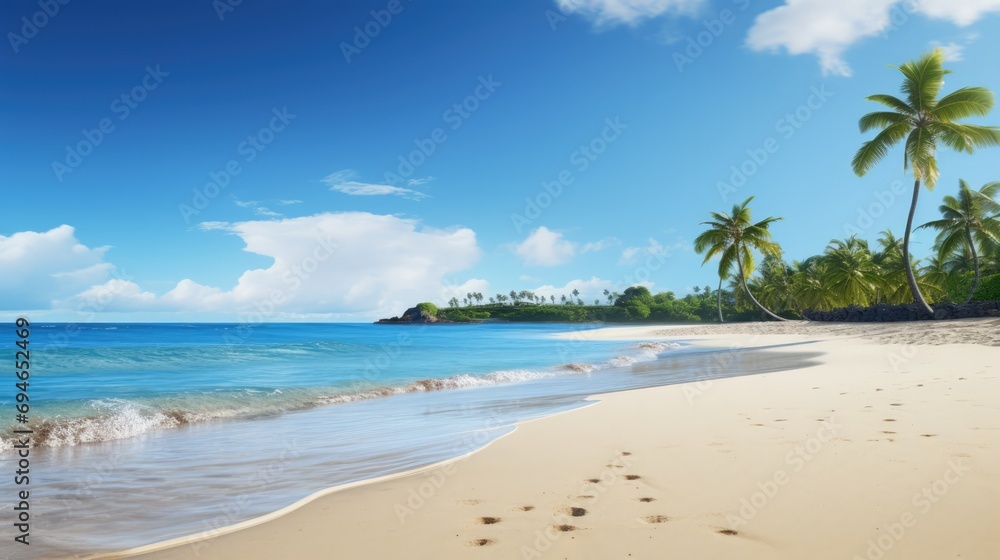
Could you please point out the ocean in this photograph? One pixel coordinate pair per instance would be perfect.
(146, 432)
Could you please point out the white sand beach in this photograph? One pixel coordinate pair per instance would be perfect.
(888, 448)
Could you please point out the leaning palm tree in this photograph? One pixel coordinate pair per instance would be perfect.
(968, 220)
(734, 237)
(923, 120)
(723, 275)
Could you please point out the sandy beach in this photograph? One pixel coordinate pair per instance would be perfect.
(888, 447)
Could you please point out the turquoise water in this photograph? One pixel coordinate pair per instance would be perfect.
(149, 432)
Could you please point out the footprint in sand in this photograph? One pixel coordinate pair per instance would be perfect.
(565, 528)
(632, 477)
(526, 508)
(655, 519)
(574, 511)
(488, 520)
(888, 419)
(647, 500)
(481, 542)
(728, 532)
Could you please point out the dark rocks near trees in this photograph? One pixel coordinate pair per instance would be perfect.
(909, 312)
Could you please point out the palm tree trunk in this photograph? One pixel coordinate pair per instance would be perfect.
(914, 289)
(975, 264)
(743, 278)
(718, 299)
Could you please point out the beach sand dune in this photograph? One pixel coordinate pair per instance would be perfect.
(889, 448)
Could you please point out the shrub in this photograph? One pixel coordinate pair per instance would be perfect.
(427, 307)
(989, 289)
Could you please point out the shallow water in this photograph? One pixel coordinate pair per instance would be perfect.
(440, 392)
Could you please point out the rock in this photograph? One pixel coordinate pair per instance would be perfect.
(910, 312)
(413, 316)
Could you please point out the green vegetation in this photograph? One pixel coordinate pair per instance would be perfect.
(966, 222)
(734, 237)
(427, 307)
(636, 304)
(924, 121)
(964, 266)
(989, 290)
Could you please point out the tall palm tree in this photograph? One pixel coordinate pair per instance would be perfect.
(968, 220)
(734, 237)
(718, 293)
(924, 120)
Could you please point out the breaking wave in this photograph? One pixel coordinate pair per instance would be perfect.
(114, 419)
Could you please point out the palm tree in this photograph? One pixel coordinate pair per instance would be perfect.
(853, 275)
(924, 120)
(968, 220)
(895, 281)
(810, 286)
(718, 293)
(734, 238)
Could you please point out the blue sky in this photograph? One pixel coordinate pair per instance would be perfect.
(191, 160)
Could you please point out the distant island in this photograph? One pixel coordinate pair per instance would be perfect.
(636, 304)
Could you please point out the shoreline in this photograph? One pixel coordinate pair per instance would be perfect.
(233, 541)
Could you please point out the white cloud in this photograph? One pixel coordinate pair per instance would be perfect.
(417, 181)
(589, 289)
(40, 267)
(953, 52)
(289, 202)
(343, 181)
(345, 263)
(544, 247)
(213, 226)
(266, 212)
(959, 12)
(653, 248)
(595, 246)
(244, 203)
(827, 29)
(821, 27)
(628, 12)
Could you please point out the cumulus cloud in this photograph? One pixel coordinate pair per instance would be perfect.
(961, 12)
(628, 12)
(827, 29)
(819, 27)
(344, 182)
(544, 247)
(40, 267)
(332, 263)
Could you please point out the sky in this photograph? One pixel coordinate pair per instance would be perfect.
(247, 161)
